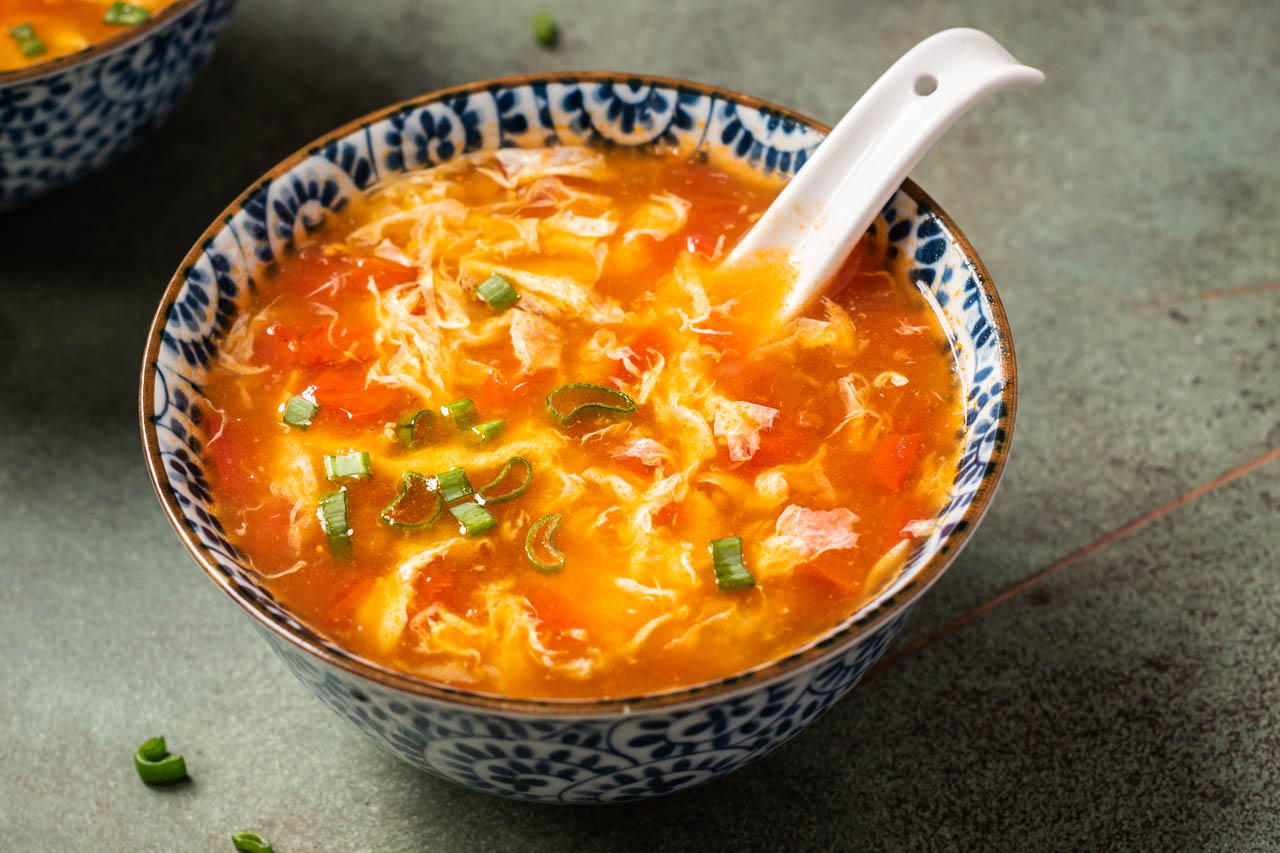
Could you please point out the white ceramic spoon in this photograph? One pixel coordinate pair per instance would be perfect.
(819, 216)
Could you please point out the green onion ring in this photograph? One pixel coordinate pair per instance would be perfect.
(550, 523)
(407, 481)
(618, 403)
(454, 484)
(485, 494)
(462, 411)
(474, 518)
(409, 424)
(337, 528)
(488, 430)
(731, 571)
(156, 765)
(125, 15)
(251, 842)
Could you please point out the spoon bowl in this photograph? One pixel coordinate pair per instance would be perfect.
(818, 218)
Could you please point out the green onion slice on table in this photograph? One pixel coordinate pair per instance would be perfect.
(473, 518)
(539, 544)
(454, 485)
(156, 765)
(29, 44)
(299, 412)
(333, 518)
(498, 292)
(125, 15)
(415, 428)
(354, 463)
(462, 411)
(570, 402)
(731, 571)
(543, 27)
(417, 504)
(251, 842)
(510, 483)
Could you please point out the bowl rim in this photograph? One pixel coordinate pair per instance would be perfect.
(879, 610)
(98, 48)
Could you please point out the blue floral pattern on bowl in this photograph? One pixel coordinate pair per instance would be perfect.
(560, 751)
(61, 124)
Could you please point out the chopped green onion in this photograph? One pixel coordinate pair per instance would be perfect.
(417, 504)
(28, 42)
(541, 537)
(333, 518)
(496, 492)
(498, 292)
(474, 518)
(251, 842)
(543, 27)
(413, 427)
(462, 411)
(125, 15)
(568, 402)
(156, 765)
(454, 484)
(299, 411)
(731, 572)
(488, 430)
(354, 463)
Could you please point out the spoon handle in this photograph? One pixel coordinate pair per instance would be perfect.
(820, 215)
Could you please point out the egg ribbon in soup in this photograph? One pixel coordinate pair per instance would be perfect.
(503, 427)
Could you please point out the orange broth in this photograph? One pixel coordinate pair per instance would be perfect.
(378, 316)
(63, 26)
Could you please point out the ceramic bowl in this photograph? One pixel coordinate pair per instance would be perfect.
(62, 119)
(569, 751)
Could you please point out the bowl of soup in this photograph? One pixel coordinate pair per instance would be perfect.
(460, 405)
(81, 81)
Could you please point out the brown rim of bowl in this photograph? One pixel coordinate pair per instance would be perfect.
(98, 48)
(873, 613)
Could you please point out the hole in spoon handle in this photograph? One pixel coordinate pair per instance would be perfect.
(926, 85)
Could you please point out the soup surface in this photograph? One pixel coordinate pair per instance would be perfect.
(38, 30)
(826, 446)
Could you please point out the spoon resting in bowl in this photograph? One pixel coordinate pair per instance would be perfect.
(821, 214)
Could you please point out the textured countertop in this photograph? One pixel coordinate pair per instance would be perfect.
(1099, 668)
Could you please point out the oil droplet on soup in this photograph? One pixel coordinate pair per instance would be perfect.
(827, 447)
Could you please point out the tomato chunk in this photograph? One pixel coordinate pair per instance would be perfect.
(317, 275)
(835, 576)
(276, 346)
(784, 443)
(231, 444)
(348, 597)
(385, 273)
(345, 388)
(667, 516)
(498, 394)
(555, 608)
(893, 459)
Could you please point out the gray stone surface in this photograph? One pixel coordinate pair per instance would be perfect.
(1126, 211)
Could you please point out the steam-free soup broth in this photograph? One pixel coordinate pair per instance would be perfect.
(656, 490)
(33, 31)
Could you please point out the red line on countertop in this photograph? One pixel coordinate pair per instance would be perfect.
(1075, 556)
(1211, 295)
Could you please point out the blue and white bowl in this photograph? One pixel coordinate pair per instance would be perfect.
(62, 119)
(565, 751)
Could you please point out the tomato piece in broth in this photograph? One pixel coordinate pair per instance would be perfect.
(347, 389)
(894, 458)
